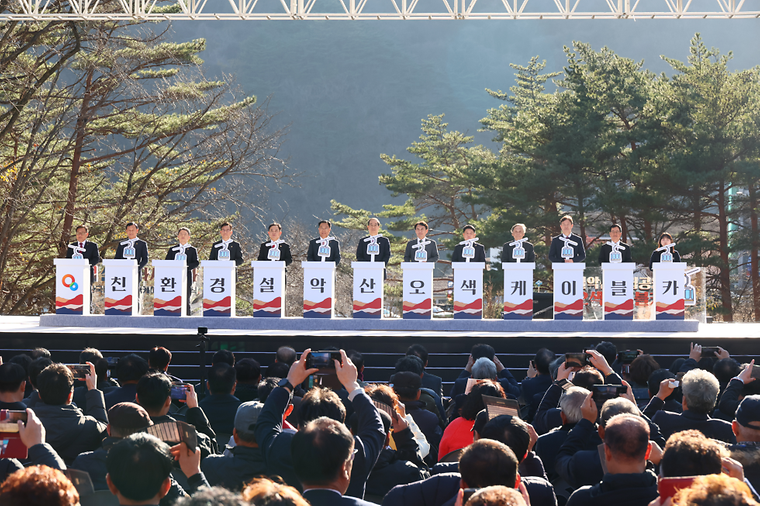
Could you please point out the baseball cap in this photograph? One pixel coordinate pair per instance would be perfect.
(247, 416)
(748, 412)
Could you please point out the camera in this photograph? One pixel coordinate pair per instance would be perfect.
(323, 360)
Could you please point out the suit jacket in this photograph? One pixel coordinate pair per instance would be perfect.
(656, 257)
(431, 248)
(141, 253)
(604, 253)
(385, 250)
(431, 381)
(192, 259)
(670, 423)
(236, 254)
(312, 256)
(284, 252)
(480, 253)
(90, 253)
(506, 253)
(619, 489)
(323, 497)
(555, 250)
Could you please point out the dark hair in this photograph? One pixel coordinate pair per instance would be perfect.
(423, 223)
(278, 370)
(225, 224)
(324, 221)
(627, 437)
(132, 224)
(274, 224)
(221, 378)
(474, 401)
(690, 453)
(286, 355)
(663, 235)
(89, 355)
(487, 462)
(265, 388)
(642, 367)
(85, 227)
(587, 377)
(248, 370)
(410, 363)
(482, 350)
(40, 352)
(419, 351)
(225, 356)
(675, 367)
(131, 368)
(615, 225)
(566, 217)
(470, 227)
(214, 496)
(152, 391)
(511, 431)
(408, 391)
(543, 358)
(55, 383)
(608, 351)
(357, 358)
(318, 403)
(320, 450)
(138, 466)
(11, 377)
(656, 378)
(159, 358)
(23, 360)
(36, 367)
(725, 369)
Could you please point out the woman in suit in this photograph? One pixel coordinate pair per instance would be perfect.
(665, 239)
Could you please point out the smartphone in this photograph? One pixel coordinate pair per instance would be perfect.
(9, 419)
(628, 356)
(468, 492)
(674, 383)
(80, 371)
(709, 351)
(577, 359)
(603, 393)
(322, 359)
(667, 487)
(179, 391)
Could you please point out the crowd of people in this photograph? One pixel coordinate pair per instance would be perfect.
(600, 427)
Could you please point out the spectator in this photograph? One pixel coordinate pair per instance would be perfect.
(609, 352)
(518, 435)
(276, 443)
(69, 430)
(672, 403)
(129, 370)
(214, 496)
(412, 363)
(407, 386)
(248, 374)
(105, 384)
(547, 415)
(265, 388)
(746, 427)
(24, 361)
(38, 486)
(627, 481)
(40, 352)
(715, 490)
(35, 368)
(508, 382)
(285, 355)
(32, 434)
(220, 407)
(265, 492)
(430, 381)
(159, 359)
(458, 434)
(700, 392)
(484, 368)
(223, 357)
(496, 496)
(358, 360)
(639, 372)
(12, 386)
(278, 370)
(539, 379)
(741, 385)
(690, 453)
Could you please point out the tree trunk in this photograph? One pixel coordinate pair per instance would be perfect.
(725, 268)
(755, 248)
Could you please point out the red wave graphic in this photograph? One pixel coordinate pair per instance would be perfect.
(276, 303)
(478, 304)
(375, 304)
(625, 306)
(323, 304)
(78, 301)
(575, 306)
(426, 304)
(126, 301)
(176, 301)
(225, 302)
(527, 305)
(676, 306)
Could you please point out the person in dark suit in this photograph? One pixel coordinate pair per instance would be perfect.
(191, 258)
(226, 244)
(132, 241)
(468, 233)
(275, 231)
(430, 381)
(665, 239)
(87, 249)
(431, 248)
(555, 250)
(312, 255)
(615, 234)
(384, 252)
(518, 232)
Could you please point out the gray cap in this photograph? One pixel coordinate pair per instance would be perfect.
(247, 416)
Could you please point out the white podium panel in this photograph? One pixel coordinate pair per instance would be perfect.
(268, 288)
(318, 289)
(617, 293)
(368, 289)
(72, 286)
(468, 290)
(669, 281)
(518, 290)
(218, 287)
(568, 290)
(121, 287)
(418, 290)
(169, 288)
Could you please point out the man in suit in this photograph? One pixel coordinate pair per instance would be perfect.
(230, 248)
(518, 232)
(134, 248)
(384, 245)
(191, 259)
(615, 234)
(430, 381)
(332, 243)
(275, 231)
(468, 233)
(87, 249)
(555, 250)
(431, 248)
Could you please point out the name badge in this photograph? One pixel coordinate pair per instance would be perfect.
(616, 257)
(179, 256)
(420, 255)
(518, 253)
(273, 254)
(568, 252)
(224, 254)
(373, 249)
(468, 252)
(77, 256)
(666, 257)
(129, 253)
(324, 251)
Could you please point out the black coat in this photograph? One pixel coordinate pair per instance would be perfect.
(383, 256)
(433, 382)
(233, 472)
(141, 252)
(657, 254)
(670, 423)
(39, 455)
(555, 250)
(192, 260)
(618, 490)
(90, 253)
(312, 256)
(480, 253)
(236, 254)
(284, 252)
(506, 252)
(321, 497)
(604, 253)
(431, 248)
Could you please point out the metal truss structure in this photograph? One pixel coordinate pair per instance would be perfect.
(154, 10)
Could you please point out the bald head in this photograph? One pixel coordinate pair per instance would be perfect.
(627, 438)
